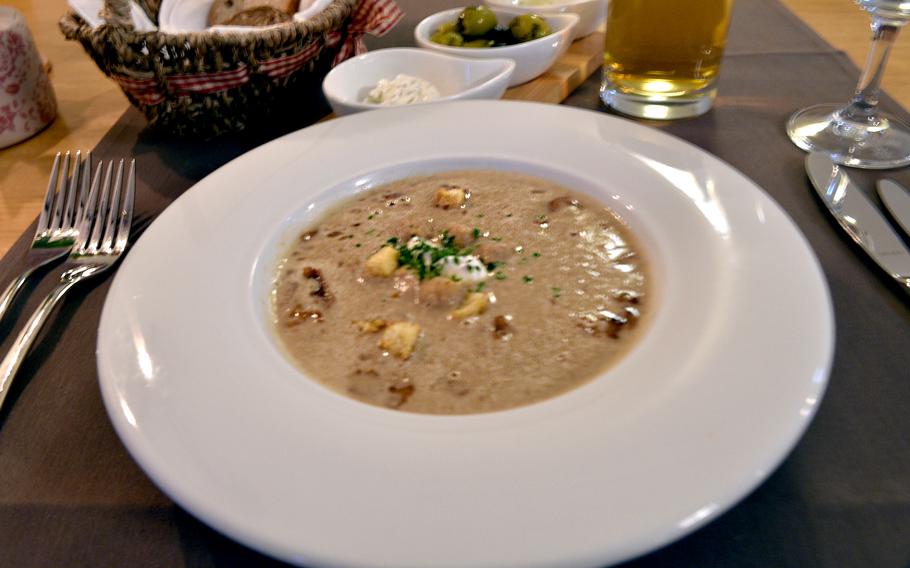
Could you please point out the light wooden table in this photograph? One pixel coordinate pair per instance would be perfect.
(89, 103)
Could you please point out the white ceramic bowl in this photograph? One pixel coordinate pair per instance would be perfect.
(456, 78)
(591, 13)
(531, 58)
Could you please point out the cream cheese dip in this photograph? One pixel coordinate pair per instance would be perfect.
(402, 90)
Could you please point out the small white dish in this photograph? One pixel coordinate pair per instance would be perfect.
(456, 78)
(531, 58)
(591, 13)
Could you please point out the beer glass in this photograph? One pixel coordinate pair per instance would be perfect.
(661, 57)
(858, 134)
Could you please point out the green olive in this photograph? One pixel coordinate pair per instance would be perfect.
(448, 38)
(448, 27)
(479, 43)
(476, 20)
(529, 26)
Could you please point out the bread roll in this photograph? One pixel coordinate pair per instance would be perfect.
(251, 12)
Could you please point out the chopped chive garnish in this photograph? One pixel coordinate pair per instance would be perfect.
(527, 279)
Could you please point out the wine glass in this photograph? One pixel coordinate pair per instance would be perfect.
(858, 134)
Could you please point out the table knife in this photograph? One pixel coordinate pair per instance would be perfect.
(897, 199)
(856, 215)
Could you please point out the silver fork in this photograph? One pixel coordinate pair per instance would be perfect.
(56, 230)
(103, 232)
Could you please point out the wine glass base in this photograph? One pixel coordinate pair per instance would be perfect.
(880, 144)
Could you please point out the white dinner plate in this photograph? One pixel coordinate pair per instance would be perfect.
(726, 379)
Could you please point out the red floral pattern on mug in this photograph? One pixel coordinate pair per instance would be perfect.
(27, 101)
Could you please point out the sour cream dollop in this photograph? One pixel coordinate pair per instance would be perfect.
(467, 267)
(402, 90)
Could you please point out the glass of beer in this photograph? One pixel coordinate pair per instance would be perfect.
(662, 57)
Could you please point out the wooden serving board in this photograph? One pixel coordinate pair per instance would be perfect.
(584, 57)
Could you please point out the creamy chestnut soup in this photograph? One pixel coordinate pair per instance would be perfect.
(461, 292)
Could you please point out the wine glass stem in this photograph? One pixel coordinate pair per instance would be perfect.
(865, 99)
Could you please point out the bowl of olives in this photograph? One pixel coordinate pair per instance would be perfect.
(591, 13)
(533, 41)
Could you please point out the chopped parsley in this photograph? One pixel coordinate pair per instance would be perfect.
(557, 291)
(527, 279)
(426, 257)
(480, 287)
(499, 276)
(476, 233)
(535, 254)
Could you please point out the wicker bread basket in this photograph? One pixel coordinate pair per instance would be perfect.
(205, 83)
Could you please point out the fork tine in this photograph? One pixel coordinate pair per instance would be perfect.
(126, 210)
(48, 198)
(61, 194)
(71, 191)
(89, 212)
(110, 225)
(86, 179)
(101, 210)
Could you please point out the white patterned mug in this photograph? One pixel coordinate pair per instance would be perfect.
(27, 102)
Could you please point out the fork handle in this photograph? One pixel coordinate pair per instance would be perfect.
(6, 298)
(26, 338)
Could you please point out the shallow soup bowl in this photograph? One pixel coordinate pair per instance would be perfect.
(694, 417)
(456, 78)
(532, 58)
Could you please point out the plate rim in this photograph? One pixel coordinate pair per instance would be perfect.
(127, 434)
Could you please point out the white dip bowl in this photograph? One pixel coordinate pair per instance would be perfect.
(531, 58)
(456, 78)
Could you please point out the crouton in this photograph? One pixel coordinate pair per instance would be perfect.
(383, 262)
(399, 339)
(449, 196)
(474, 304)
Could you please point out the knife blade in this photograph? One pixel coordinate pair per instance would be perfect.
(897, 200)
(859, 218)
